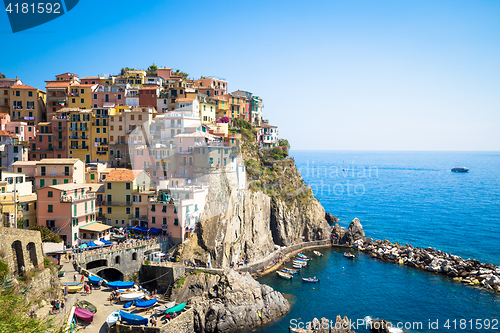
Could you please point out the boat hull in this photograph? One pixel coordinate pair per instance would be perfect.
(113, 318)
(131, 297)
(84, 315)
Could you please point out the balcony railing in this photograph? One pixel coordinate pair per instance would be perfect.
(72, 198)
(138, 217)
(59, 128)
(54, 174)
(117, 203)
(87, 212)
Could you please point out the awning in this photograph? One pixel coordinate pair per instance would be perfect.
(106, 242)
(96, 227)
(154, 230)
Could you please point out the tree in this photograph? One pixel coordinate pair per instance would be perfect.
(47, 234)
(126, 69)
(152, 70)
(20, 224)
(284, 142)
(2, 76)
(178, 72)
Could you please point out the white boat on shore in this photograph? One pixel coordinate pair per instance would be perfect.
(127, 291)
(113, 318)
(131, 296)
(285, 275)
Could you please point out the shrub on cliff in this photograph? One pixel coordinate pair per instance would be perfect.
(4, 270)
(47, 234)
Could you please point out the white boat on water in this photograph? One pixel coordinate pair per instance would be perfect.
(113, 318)
(131, 296)
(319, 254)
(285, 275)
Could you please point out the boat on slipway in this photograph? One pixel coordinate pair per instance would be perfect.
(84, 315)
(113, 318)
(131, 296)
(120, 284)
(133, 318)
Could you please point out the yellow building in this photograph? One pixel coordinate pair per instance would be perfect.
(223, 107)
(99, 151)
(135, 77)
(25, 209)
(80, 95)
(120, 186)
(26, 104)
(79, 132)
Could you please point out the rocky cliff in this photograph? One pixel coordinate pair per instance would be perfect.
(227, 302)
(275, 208)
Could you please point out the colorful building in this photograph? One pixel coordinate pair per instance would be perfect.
(42, 146)
(80, 95)
(211, 86)
(66, 208)
(108, 96)
(119, 188)
(54, 171)
(17, 200)
(27, 104)
(57, 93)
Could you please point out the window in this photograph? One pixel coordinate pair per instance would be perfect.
(132, 117)
(42, 182)
(127, 198)
(50, 208)
(109, 210)
(119, 96)
(123, 221)
(127, 186)
(50, 194)
(176, 221)
(109, 186)
(82, 100)
(92, 176)
(153, 220)
(18, 93)
(153, 208)
(164, 220)
(109, 198)
(127, 210)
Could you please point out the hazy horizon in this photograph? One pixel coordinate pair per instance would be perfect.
(334, 75)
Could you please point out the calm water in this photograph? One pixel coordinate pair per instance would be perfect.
(410, 197)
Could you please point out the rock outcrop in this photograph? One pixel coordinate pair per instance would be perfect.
(228, 302)
(330, 218)
(350, 236)
(341, 325)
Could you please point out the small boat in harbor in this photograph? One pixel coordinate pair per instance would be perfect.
(131, 296)
(133, 319)
(113, 318)
(159, 310)
(290, 271)
(86, 305)
(319, 254)
(349, 255)
(84, 315)
(297, 266)
(303, 257)
(460, 169)
(310, 280)
(300, 262)
(177, 308)
(285, 275)
(120, 284)
(146, 304)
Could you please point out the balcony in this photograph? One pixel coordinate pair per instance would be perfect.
(84, 213)
(72, 198)
(117, 203)
(59, 128)
(39, 150)
(80, 147)
(73, 94)
(138, 217)
(54, 174)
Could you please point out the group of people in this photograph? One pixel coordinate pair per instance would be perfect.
(57, 305)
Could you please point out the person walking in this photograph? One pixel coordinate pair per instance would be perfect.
(75, 277)
(90, 288)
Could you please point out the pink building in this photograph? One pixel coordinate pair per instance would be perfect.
(23, 131)
(108, 96)
(4, 120)
(65, 209)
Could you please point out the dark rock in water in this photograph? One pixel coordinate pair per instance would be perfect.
(330, 218)
(380, 326)
(354, 232)
(338, 232)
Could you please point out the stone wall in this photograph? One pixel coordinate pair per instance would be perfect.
(165, 273)
(21, 249)
(184, 323)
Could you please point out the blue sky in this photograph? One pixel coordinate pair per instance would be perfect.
(334, 75)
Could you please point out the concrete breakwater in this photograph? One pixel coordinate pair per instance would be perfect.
(468, 271)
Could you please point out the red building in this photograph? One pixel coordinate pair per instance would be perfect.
(148, 96)
(105, 96)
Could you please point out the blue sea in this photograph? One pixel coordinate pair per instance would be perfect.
(405, 197)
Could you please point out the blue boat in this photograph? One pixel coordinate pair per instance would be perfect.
(128, 305)
(120, 284)
(303, 256)
(133, 319)
(95, 279)
(146, 304)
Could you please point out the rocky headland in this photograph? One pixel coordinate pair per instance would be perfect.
(229, 301)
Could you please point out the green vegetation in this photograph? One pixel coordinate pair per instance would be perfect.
(4, 270)
(152, 70)
(181, 282)
(14, 311)
(178, 72)
(47, 234)
(146, 262)
(48, 263)
(20, 223)
(122, 72)
(284, 142)
(2, 76)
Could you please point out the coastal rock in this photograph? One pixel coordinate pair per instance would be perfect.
(229, 302)
(354, 232)
(341, 325)
(330, 218)
(338, 232)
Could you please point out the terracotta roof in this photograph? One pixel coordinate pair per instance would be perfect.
(121, 175)
(61, 84)
(58, 161)
(5, 133)
(90, 78)
(3, 114)
(21, 86)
